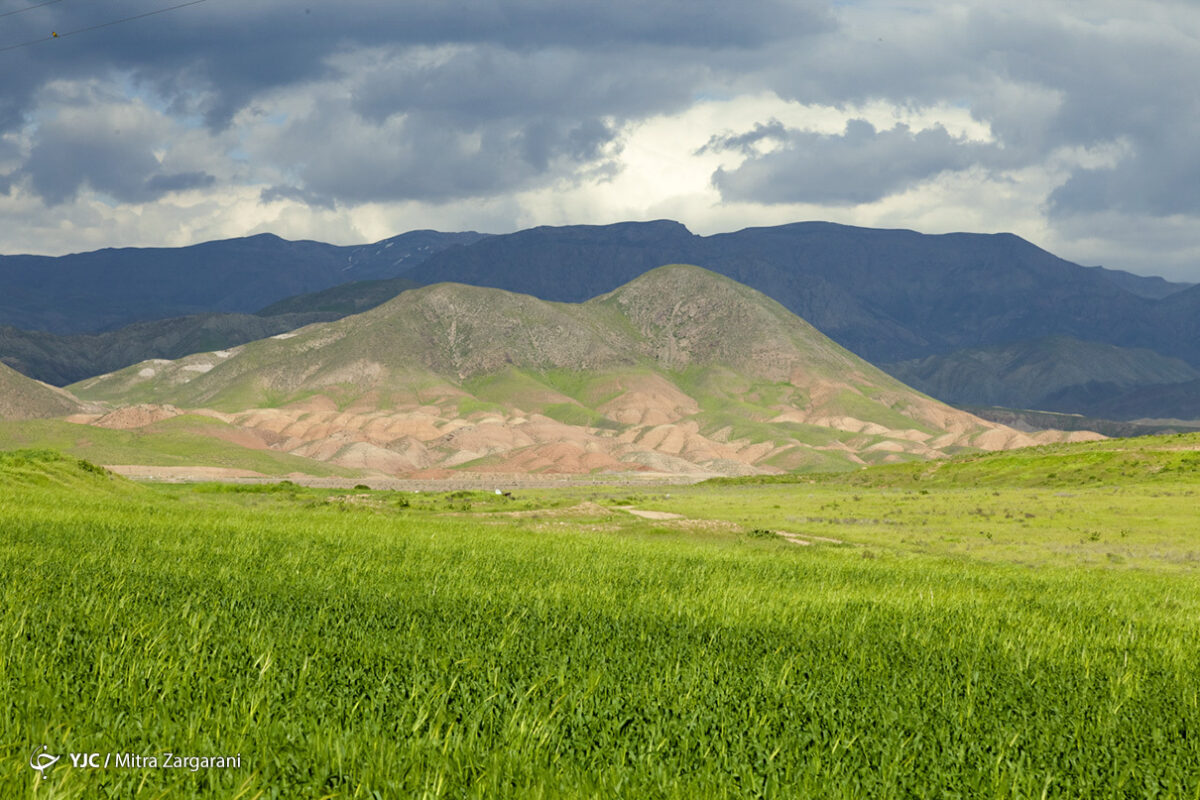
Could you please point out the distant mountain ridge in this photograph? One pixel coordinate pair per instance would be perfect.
(1178, 400)
(1148, 286)
(106, 289)
(1058, 373)
(62, 359)
(889, 295)
(1026, 420)
(343, 299)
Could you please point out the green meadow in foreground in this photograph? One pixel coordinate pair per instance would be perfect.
(379, 644)
(180, 441)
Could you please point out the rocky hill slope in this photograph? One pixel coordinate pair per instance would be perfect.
(25, 398)
(679, 371)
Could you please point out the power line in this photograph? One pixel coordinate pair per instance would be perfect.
(56, 35)
(31, 41)
(29, 8)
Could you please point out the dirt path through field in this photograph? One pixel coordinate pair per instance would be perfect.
(637, 512)
(805, 542)
(787, 535)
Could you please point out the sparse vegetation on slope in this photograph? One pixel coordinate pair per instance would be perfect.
(25, 398)
(679, 371)
(1167, 459)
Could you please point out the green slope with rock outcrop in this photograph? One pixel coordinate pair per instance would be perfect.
(679, 370)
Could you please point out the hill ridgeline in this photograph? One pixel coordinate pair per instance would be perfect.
(680, 371)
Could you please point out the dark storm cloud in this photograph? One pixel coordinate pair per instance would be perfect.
(427, 155)
(1145, 182)
(273, 194)
(71, 154)
(164, 183)
(215, 58)
(1042, 79)
(101, 142)
(1126, 86)
(1135, 92)
(587, 24)
(745, 142)
(450, 99)
(474, 121)
(860, 165)
(487, 82)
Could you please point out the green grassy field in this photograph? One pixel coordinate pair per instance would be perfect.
(188, 440)
(379, 644)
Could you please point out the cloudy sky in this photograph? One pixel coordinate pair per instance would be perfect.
(1075, 124)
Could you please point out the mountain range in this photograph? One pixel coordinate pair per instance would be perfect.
(966, 317)
(105, 289)
(680, 371)
(887, 295)
(1057, 373)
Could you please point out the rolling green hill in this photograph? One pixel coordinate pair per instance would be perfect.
(672, 319)
(183, 441)
(1167, 459)
(49, 469)
(680, 370)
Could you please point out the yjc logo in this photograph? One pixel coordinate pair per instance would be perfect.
(85, 760)
(42, 761)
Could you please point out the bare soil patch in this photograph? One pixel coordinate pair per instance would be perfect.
(188, 474)
(637, 512)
